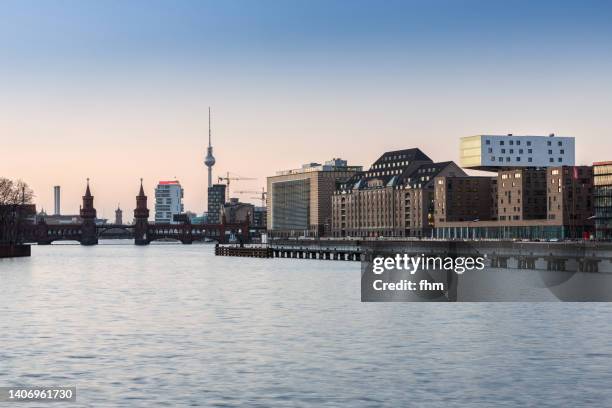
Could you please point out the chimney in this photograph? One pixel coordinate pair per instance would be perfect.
(56, 200)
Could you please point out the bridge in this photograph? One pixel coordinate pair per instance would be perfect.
(87, 232)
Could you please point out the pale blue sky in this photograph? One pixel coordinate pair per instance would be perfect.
(117, 90)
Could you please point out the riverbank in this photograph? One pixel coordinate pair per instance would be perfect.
(14, 251)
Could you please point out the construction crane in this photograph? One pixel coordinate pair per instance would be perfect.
(229, 178)
(262, 195)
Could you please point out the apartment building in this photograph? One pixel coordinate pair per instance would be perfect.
(395, 197)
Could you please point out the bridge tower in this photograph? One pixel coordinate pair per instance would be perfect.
(141, 218)
(89, 235)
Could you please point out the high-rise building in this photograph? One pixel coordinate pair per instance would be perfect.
(492, 152)
(602, 197)
(299, 200)
(168, 201)
(395, 197)
(56, 200)
(216, 199)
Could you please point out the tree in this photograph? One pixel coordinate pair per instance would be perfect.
(15, 206)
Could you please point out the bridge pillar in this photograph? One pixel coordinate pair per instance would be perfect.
(89, 235)
(141, 219)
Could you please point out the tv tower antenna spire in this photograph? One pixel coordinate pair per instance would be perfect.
(209, 160)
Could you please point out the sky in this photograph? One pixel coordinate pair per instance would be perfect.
(118, 90)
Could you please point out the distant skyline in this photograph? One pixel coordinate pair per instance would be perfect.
(115, 90)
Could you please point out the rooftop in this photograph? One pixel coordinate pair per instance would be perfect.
(336, 164)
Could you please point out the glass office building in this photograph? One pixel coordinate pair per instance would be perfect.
(602, 199)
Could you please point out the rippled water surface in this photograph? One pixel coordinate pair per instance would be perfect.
(174, 325)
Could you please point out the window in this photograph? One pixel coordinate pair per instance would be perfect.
(503, 151)
(551, 160)
(559, 143)
(487, 142)
(511, 142)
(501, 142)
(561, 151)
(549, 151)
(501, 159)
(511, 151)
(520, 151)
(528, 143)
(518, 159)
(518, 142)
(507, 159)
(492, 158)
(529, 159)
(529, 151)
(490, 150)
(559, 159)
(549, 143)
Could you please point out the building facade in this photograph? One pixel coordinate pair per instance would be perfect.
(260, 217)
(492, 152)
(216, 200)
(570, 198)
(168, 201)
(395, 197)
(465, 199)
(602, 199)
(299, 201)
(235, 211)
(550, 203)
(521, 194)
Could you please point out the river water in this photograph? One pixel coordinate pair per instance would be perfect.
(173, 325)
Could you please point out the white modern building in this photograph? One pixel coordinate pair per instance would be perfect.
(168, 201)
(492, 152)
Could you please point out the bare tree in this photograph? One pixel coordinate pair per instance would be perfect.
(15, 200)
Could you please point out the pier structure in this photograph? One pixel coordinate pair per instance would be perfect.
(579, 256)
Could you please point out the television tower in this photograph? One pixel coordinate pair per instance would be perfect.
(209, 161)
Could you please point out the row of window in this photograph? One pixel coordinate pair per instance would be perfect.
(386, 165)
(518, 159)
(521, 151)
(602, 169)
(518, 142)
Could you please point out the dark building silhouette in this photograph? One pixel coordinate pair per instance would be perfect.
(141, 218)
(216, 200)
(88, 215)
